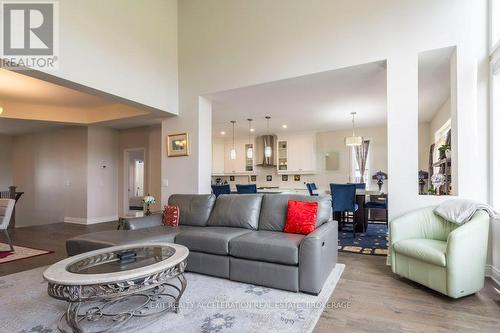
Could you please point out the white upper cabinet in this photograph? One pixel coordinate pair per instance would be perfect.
(239, 165)
(297, 154)
(218, 156)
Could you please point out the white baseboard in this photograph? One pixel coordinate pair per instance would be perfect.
(493, 273)
(83, 220)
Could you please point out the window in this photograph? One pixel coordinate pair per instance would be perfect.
(495, 23)
(355, 171)
(495, 103)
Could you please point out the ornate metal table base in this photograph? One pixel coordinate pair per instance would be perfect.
(87, 316)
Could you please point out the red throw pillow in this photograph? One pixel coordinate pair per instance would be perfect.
(171, 216)
(301, 217)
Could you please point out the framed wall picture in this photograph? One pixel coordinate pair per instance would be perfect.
(296, 178)
(284, 178)
(178, 145)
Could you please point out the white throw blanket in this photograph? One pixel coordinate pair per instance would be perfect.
(459, 211)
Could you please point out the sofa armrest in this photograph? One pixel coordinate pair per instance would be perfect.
(466, 252)
(317, 257)
(135, 223)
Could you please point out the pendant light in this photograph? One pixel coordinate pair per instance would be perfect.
(352, 141)
(268, 150)
(250, 145)
(232, 153)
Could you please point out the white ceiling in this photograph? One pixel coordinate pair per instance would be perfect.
(318, 102)
(433, 81)
(19, 89)
(25, 89)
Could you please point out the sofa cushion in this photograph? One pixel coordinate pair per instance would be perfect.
(269, 246)
(99, 240)
(214, 240)
(194, 209)
(236, 210)
(428, 250)
(274, 210)
(301, 217)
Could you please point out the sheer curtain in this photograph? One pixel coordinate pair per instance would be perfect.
(362, 157)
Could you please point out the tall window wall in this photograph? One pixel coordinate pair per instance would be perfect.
(495, 101)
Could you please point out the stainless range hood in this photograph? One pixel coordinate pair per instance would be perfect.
(260, 144)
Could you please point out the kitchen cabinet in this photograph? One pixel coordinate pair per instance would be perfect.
(217, 157)
(297, 154)
(223, 165)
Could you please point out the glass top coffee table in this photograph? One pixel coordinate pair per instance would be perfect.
(108, 287)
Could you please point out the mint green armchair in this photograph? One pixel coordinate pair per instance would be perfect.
(438, 254)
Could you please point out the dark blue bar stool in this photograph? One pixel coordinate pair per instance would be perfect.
(221, 189)
(377, 205)
(311, 187)
(359, 186)
(246, 189)
(344, 202)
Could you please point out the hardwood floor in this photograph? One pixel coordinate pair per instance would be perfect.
(368, 297)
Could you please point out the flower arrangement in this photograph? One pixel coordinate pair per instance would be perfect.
(380, 176)
(437, 181)
(148, 201)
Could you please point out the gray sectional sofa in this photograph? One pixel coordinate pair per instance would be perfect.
(238, 237)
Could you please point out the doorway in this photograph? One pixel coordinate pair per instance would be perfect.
(134, 179)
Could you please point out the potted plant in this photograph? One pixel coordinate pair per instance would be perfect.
(445, 150)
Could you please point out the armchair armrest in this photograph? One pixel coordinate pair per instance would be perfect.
(317, 257)
(466, 252)
(142, 222)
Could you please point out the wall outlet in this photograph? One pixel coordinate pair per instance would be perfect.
(164, 182)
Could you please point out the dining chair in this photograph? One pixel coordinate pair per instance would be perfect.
(221, 189)
(344, 202)
(311, 187)
(359, 186)
(6, 209)
(246, 188)
(380, 203)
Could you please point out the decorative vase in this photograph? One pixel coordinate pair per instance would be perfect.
(148, 201)
(447, 153)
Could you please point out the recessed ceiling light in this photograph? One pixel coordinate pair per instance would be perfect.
(252, 129)
(222, 133)
(284, 126)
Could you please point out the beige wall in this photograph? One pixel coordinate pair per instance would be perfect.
(51, 168)
(5, 162)
(148, 138)
(424, 144)
(333, 141)
(102, 174)
(426, 132)
(334, 34)
(124, 47)
(64, 179)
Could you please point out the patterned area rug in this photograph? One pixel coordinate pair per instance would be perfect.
(20, 252)
(209, 305)
(372, 242)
